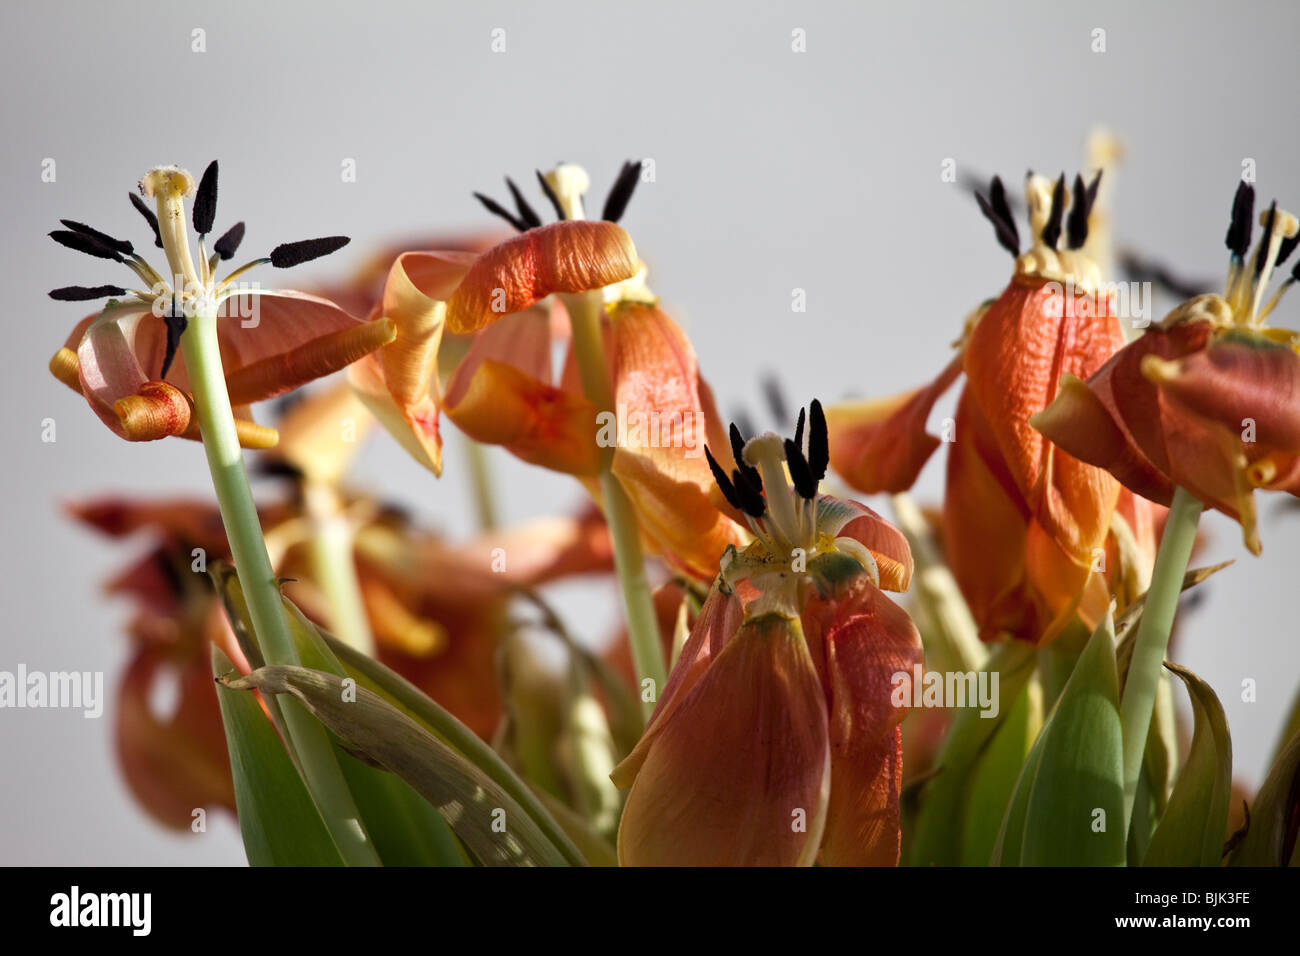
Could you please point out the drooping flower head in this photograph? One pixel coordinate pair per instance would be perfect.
(1023, 522)
(125, 359)
(1209, 398)
(775, 740)
(505, 390)
(428, 293)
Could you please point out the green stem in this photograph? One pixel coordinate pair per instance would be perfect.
(480, 474)
(335, 568)
(1152, 639)
(308, 737)
(629, 561)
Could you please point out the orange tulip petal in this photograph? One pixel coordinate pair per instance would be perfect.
(718, 621)
(886, 543)
(984, 526)
(740, 772)
(1241, 379)
(882, 445)
(860, 639)
(1017, 354)
(562, 257)
(663, 414)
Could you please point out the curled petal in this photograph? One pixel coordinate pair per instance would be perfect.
(109, 358)
(399, 382)
(841, 517)
(860, 640)
(156, 411)
(562, 257)
(739, 774)
(501, 395)
(1239, 379)
(882, 445)
(1079, 423)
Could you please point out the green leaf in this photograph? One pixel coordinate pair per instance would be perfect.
(1068, 809)
(994, 779)
(410, 700)
(277, 818)
(1193, 828)
(406, 829)
(488, 820)
(936, 839)
(1273, 816)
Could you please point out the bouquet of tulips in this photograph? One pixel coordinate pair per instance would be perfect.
(799, 679)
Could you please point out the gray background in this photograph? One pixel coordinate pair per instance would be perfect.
(775, 170)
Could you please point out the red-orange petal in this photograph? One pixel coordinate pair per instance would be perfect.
(717, 623)
(860, 640)
(562, 257)
(1031, 336)
(882, 445)
(739, 775)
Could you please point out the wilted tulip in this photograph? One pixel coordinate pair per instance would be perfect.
(124, 358)
(1208, 399)
(775, 740)
(1024, 523)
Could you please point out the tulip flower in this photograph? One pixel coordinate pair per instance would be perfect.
(1209, 398)
(1024, 522)
(776, 740)
(124, 359)
(504, 392)
(428, 293)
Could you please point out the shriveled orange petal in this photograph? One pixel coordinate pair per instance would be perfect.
(501, 394)
(882, 445)
(859, 640)
(1079, 423)
(157, 410)
(662, 419)
(1241, 380)
(739, 775)
(717, 623)
(1018, 351)
(984, 526)
(562, 257)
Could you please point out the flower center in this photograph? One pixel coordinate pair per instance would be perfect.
(1248, 276)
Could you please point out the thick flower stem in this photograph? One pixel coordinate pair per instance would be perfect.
(629, 561)
(1153, 636)
(257, 579)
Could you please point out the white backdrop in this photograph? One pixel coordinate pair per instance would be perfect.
(774, 170)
